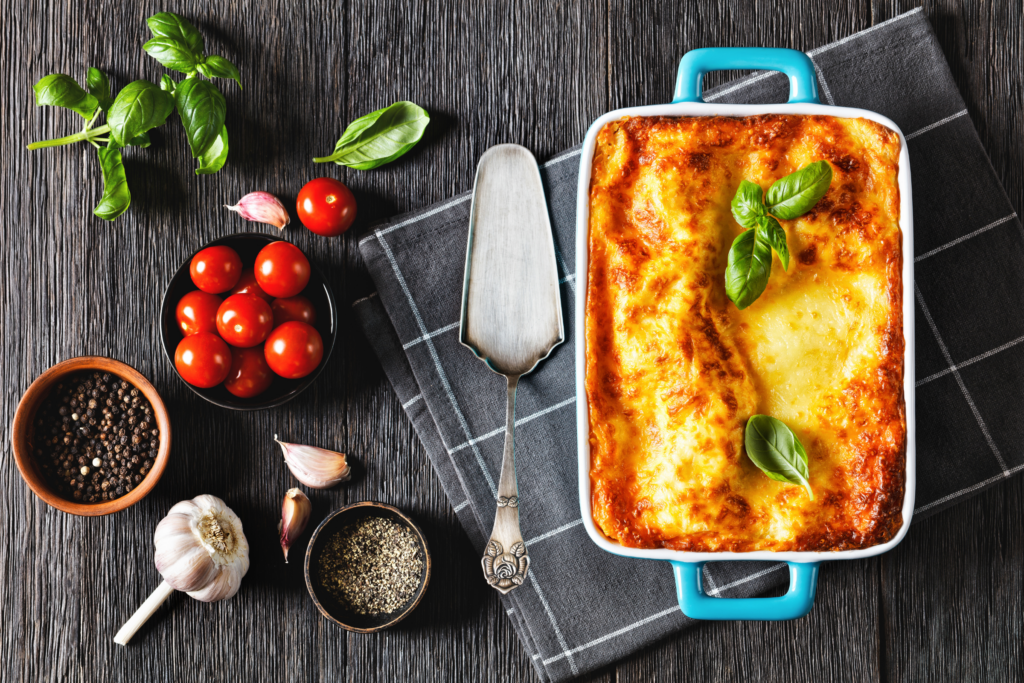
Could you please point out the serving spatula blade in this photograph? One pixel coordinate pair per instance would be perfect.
(511, 315)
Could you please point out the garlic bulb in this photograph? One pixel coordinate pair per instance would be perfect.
(200, 550)
(294, 515)
(317, 468)
(262, 207)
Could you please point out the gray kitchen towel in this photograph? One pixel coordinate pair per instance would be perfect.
(581, 608)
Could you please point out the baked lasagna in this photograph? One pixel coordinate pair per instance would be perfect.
(674, 369)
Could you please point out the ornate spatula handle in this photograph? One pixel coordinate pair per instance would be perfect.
(505, 560)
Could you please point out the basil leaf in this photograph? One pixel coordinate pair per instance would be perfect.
(168, 84)
(170, 25)
(747, 205)
(750, 264)
(773, 447)
(99, 87)
(174, 54)
(139, 107)
(773, 234)
(141, 140)
(116, 197)
(795, 195)
(58, 90)
(218, 67)
(214, 157)
(380, 137)
(202, 110)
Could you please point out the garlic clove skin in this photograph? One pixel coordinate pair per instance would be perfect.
(201, 549)
(317, 468)
(295, 511)
(262, 207)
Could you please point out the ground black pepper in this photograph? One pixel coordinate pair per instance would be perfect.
(372, 566)
(81, 436)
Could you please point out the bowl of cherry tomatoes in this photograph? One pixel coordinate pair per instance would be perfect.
(248, 322)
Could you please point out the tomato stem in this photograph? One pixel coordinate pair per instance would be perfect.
(89, 135)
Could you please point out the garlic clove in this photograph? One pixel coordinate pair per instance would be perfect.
(262, 207)
(295, 512)
(317, 468)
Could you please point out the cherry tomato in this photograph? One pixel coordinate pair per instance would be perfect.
(244, 320)
(326, 207)
(203, 359)
(282, 270)
(294, 349)
(249, 374)
(293, 308)
(197, 312)
(247, 285)
(216, 269)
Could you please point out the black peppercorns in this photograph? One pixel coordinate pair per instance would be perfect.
(81, 432)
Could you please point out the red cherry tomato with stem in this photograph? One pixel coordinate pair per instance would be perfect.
(197, 312)
(216, 269)
(293, 308)
(247, 285)
(326, 207)
(244, 320)
(249, 374)
(294, 349)
(282, 270)
(203, 359)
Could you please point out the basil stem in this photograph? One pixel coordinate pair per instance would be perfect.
(776, 451)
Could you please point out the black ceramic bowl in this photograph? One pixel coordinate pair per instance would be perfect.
(325, 602)
(282, 390)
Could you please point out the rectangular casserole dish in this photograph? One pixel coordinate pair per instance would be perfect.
(687, 101)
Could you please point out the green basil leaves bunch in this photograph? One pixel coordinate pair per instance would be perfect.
(379, 137)
(142, 106)
(179, 46)
(776, 451)
(750, 257)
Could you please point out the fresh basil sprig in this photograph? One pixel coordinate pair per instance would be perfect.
(142, 106)
(750, 257)
(379, 137)
(776, 451)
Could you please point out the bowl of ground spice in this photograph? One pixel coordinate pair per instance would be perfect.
(91, 436)
(367, 567)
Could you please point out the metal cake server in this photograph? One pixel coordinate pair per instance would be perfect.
(511, 315)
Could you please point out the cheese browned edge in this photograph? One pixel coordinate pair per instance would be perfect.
(674, 369)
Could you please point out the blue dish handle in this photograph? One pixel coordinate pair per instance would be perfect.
(803, 83)
(696, 604)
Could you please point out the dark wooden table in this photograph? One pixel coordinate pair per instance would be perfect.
(945, 605)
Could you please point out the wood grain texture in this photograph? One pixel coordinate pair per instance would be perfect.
(945, 605)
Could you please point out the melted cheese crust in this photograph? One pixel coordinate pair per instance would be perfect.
(674, 369)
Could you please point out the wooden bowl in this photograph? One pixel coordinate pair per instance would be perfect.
(22, 434)
(331, 607)
(281, 390)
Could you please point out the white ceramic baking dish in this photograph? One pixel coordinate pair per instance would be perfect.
(688, 101)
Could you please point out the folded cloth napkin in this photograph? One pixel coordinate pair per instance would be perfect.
(580, 607)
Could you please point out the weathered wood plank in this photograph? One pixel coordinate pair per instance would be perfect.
(947, 600)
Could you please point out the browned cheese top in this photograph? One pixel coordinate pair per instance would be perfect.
(674, 369)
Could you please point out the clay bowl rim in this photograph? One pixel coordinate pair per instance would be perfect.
(25, 414)
(411, 606)
(217, 395)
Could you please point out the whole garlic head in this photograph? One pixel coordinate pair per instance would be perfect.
(201, 549)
